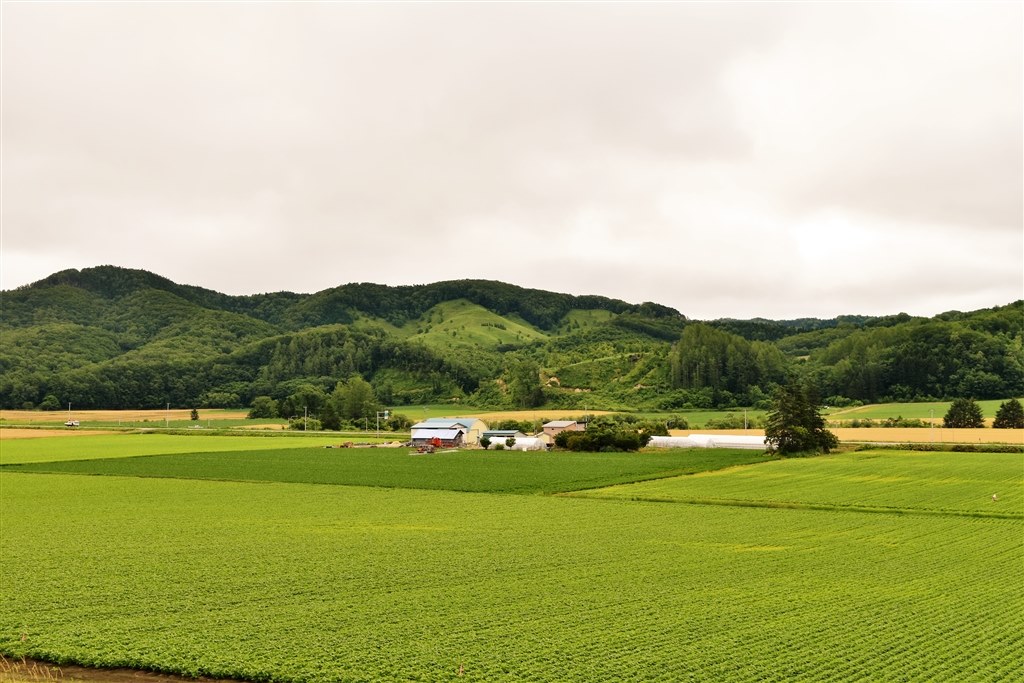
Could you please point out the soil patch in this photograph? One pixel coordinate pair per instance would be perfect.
(32, 671)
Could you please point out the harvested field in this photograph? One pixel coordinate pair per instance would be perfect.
(552, 414)
(894, 435)
(29, 416)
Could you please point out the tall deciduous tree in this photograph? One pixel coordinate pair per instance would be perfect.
(795, 425)
(964, 413)
(1010, 415)
(262, 407)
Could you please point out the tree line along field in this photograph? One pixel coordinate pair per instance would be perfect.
(317, 580)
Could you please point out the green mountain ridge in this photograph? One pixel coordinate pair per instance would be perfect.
(111, 337)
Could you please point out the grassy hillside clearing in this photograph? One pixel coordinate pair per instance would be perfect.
(460, 322)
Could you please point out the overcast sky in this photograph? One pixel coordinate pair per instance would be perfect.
(727, 159)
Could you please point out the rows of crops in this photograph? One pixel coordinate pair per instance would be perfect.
(330, 583)
(475, 470)
(897, 480)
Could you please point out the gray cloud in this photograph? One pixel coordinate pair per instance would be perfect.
(725, 159)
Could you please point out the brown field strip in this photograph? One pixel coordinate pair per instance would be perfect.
(30, 416)
(894, 435)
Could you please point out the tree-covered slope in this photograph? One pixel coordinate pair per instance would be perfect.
(115, 337)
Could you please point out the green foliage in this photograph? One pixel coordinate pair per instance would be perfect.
(602, 439)
(795, 424)
(50, 402)
(117, 338)
(485, 442)
(1010, 415)
(194, 415)
(510, 442)
(707, 358)
(964, 413)
(891, 422)
(305, 424)
(263, 407)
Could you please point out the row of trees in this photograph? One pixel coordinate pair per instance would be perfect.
(351, 402)
(965, 413)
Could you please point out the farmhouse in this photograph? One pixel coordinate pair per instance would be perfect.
(472, 428)
(556, 427)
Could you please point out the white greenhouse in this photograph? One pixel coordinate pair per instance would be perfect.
(709, 441)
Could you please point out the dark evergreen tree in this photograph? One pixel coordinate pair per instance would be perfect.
(964, 413)
(795, 425)
(1010, 415)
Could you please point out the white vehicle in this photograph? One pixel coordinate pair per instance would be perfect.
(71, 423)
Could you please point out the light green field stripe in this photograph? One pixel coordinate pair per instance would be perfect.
(871, 480)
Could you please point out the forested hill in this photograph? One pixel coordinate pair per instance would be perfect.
(112, 337)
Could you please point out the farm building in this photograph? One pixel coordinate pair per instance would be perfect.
(556, 427)
(472, 428)
(544, 437)
(529, 443)
(708, 441)
(445, 438)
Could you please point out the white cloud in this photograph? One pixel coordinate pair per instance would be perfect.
(726, 159)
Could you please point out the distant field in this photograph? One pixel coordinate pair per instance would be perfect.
(91, 445)
(894, 480)
(298, 582)
(106, 416)
(895, 435)
(920, 411)
(476, 470)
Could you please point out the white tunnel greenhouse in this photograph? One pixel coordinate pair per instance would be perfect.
(708, 441)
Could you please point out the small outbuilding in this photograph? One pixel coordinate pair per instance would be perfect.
(556, 427)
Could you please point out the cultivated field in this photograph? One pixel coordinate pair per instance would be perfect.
(885, 565)
(904, 481)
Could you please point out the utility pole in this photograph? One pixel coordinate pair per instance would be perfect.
(305, 414)
(167, 416)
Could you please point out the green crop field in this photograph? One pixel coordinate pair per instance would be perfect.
(919, 411)
(477, 470)
(279, 581)
(893, 480)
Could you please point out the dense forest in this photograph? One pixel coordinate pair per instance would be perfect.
(111, 337)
